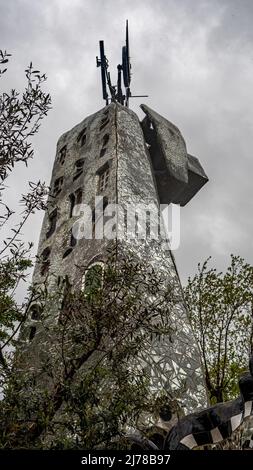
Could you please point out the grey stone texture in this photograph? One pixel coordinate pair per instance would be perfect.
(147, 163)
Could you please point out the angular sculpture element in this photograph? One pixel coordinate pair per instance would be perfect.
(179, 176)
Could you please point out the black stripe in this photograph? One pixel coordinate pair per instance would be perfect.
(203, 438)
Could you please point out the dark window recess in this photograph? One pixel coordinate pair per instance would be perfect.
(67, 252)
(102, 152)
(105, 203)
(75, 199)
(73, 240)
(147, 224)
(63, 152)
(104, 123)
(104, 144)
(45, 261)
(32, 333)
(79, 195)
(78, 168)
(58, 186)
(35, 312)
(103, 180)
(72, 204)
(52, 223)
(93, 221)
(82, 137)
(105, 139)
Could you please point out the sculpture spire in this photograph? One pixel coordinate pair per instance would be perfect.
(116, 93)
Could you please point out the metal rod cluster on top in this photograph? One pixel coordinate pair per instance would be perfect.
(116, 93)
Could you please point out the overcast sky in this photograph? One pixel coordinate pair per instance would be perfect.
(194, 59)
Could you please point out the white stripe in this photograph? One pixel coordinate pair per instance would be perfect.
(189, 441)
(236, 421)
(247, 408)
(216, 435)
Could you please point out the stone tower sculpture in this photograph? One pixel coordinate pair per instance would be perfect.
(127, 161)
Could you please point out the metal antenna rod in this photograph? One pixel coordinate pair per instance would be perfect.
(124, 70)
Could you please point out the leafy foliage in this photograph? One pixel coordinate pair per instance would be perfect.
(20, 119)
(220, 308)
(89, 385)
